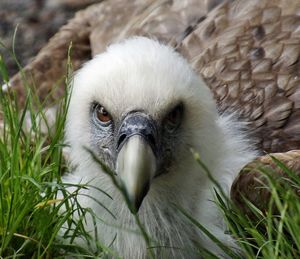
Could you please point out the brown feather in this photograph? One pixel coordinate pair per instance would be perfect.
(248, 53)
(252, 184)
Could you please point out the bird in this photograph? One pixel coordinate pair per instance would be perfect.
(139, 108)
(246, 51)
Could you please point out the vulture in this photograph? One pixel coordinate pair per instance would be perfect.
(140, 109)
(245, 51)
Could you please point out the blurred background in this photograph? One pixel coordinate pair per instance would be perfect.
(36, 21)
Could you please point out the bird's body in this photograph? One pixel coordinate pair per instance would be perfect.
(141, 77)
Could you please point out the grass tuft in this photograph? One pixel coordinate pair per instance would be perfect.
(31, 166)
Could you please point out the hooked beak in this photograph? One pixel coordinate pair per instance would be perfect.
(136, 160)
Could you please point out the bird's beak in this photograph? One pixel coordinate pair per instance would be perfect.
(136, 161)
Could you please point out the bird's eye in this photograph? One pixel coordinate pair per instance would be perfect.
(173, 119)
(102, 115)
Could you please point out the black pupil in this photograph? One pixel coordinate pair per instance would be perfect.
(103, 111)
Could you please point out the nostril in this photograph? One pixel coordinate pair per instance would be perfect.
(121, 139)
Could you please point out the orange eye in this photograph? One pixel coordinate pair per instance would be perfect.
(103, 114)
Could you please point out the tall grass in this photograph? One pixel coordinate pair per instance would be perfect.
(31, 166)
(271, 232)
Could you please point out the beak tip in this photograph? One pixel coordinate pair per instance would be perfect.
(135, 206)
(137, 200)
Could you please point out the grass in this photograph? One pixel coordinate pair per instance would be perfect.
(31, 165)
(273, 233)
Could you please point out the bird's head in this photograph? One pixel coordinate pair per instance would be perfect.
(139, 108)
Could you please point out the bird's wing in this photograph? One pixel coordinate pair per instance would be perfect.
(99, 25)
(252, 184)
(248, 53)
